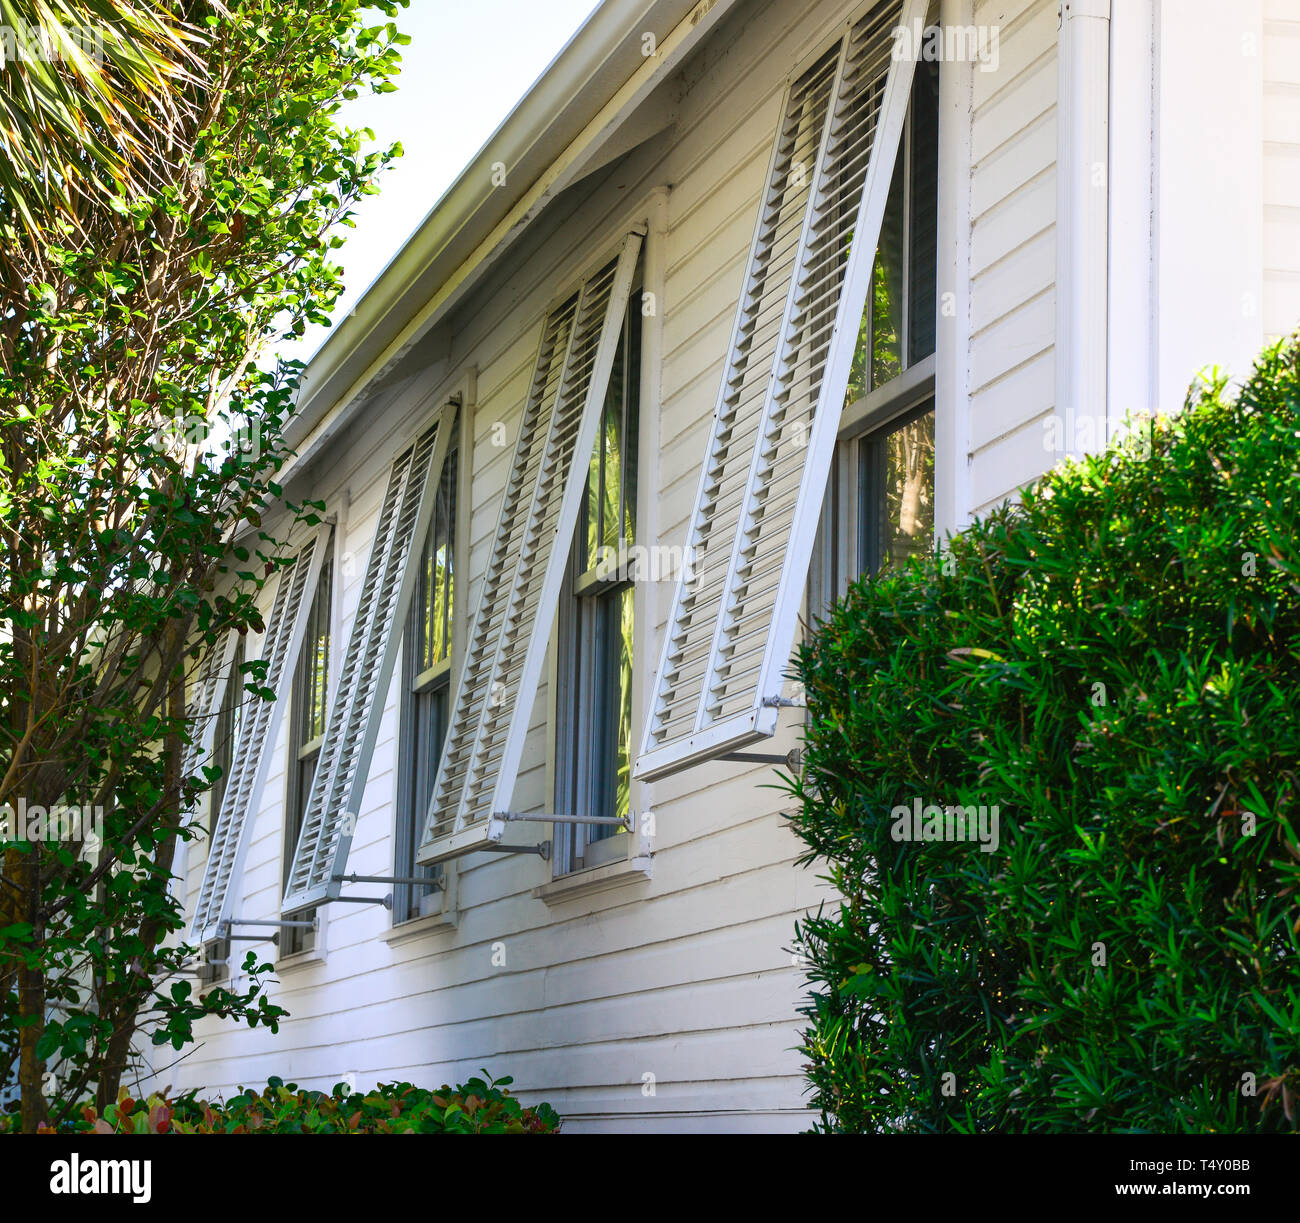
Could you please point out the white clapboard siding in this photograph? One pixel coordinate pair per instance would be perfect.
(257, 731)
(507, 643)
(773, 432)
(353, 723)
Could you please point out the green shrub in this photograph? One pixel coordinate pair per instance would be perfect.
(1114, 664)
(481, 1106)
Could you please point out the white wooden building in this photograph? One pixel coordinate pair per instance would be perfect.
(613, 423)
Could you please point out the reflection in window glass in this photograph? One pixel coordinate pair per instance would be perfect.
(897, 327)
(436, 591)
(923, 212)
(226, 732)
(896, 482)
(609, 505)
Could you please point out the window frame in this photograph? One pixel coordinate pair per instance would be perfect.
(281, 641)
(586, 592)
(470, 810)
(295, 941)
(436, 907)
(724, 659)
(837, 558)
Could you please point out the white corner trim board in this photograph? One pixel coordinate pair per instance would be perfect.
(1083, 207)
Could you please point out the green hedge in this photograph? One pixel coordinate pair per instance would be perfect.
(481, 1106)
(1114, 665)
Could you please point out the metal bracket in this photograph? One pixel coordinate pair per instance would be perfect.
(542, 850)
(386, 901)
(611, 821)
(793, 759)
(224, 928)
(784, 702)
(410, 880)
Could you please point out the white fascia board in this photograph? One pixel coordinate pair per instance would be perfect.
(471, 226)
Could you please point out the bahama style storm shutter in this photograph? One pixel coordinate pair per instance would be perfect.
(214, 674)
(507, 642)
(257, 731)
(209, 687)
(353, 723)
(734, 612)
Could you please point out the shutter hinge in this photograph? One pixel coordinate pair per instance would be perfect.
(784, 702)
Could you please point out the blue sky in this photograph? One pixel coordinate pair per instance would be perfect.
(468, 63)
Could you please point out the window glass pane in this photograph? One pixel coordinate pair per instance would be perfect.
(227, 730)
(897, 328)
(441, 564)
(589, 530)
(311, 683)
(315, 659)
(611, 694)
(435, 589)
(425, 734)
(897, 482)
(886, 301)
(593, 774)
(924, 212)
(632, 415)
(424, 600)
(613, 441)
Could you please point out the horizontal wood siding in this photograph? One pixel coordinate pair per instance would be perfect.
(1012, 251)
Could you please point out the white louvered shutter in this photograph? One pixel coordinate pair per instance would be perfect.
(353, 723)
(209, 688)
(539, 514)
(735, 609)
(257, 731)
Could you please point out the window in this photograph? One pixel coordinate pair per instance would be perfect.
(259, 725)
(307, 729)
(426, 686)
(509, 640)
(366, 666)
(594, 673)
(723, 668)
(879, 506)
(227, 730)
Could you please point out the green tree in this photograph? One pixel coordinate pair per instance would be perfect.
(141, 430)
(90, 103)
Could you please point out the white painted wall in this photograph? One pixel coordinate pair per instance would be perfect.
(688, 975)
(1208, 210)
(1281, 195)
(1013, 251)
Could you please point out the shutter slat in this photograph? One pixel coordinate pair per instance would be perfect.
(730, 632)
(539, 514)
(285, 628)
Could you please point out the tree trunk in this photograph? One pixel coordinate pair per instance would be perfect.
(139, 980)
(31, 1004)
